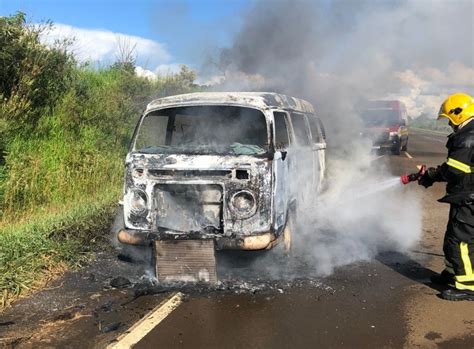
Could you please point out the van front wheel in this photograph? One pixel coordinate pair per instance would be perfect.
(397, 150)
(405, 147)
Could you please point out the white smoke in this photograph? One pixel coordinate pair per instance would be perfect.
(337, 54)
(363, 212)
(328, 52)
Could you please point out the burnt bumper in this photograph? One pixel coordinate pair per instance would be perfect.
(261, 241)
(386, 142)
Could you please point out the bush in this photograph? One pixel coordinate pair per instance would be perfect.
(32, 76)
(66, 127)
(65, 131)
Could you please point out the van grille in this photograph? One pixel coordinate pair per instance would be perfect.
(188, 207)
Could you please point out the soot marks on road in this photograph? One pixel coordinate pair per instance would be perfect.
(225, 286)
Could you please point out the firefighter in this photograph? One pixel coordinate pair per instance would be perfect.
(458, 172)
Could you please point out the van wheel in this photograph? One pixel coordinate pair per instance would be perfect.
(405, 147)
(397, 150)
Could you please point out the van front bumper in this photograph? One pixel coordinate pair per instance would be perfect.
(386, 142)
(261, 241)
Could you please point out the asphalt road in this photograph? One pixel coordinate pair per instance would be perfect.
(384, 303)
(364, 305)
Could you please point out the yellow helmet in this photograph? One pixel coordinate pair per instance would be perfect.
(458, 108)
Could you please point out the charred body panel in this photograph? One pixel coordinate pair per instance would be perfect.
(195, 183)
(185, 199)
(257, 100)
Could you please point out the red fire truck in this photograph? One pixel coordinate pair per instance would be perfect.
(386, 124)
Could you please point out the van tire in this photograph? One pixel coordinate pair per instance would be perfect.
(405, 147)
(397, 150)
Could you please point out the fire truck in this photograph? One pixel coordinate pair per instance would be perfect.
(386, 124)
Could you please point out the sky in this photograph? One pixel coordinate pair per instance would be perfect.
(167, 33)
(414, 50)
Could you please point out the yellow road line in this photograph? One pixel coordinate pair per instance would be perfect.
(140, 329)
(408, 155)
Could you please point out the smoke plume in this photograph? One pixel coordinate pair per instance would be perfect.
(336, 54)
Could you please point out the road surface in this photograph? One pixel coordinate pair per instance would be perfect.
(384, 303)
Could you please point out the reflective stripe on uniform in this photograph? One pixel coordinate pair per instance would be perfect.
(461, 286)
(465, 278)
(458, 165)
(468, 276)
(465, 258)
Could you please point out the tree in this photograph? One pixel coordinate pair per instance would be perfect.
(32, 75)
(125, 55)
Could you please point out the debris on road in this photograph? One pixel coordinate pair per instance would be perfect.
(120, 282)
(110, 327)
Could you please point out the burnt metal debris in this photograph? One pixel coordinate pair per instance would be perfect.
(120, 282)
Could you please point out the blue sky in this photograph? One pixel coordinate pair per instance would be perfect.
(185, 29)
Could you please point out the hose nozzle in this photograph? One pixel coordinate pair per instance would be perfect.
(414, 176)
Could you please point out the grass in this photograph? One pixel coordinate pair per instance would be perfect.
(424, 123)
(438, 132)
(58, 197)
(43, 245)
(64, 132)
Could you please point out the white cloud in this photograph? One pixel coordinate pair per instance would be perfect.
(423, 90)
(160, 70)
(101, 46)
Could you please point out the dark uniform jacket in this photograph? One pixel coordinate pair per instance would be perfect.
(458, 170)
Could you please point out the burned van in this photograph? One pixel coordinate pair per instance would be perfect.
(216, 171)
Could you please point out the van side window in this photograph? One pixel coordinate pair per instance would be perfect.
(281, 131)
(300, 128)
(315, 129)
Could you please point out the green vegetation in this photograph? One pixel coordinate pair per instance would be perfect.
(428, 123)
(64, 131)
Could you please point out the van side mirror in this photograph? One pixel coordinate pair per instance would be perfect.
(283, 154)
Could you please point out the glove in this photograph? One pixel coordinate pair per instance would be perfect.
(428, 178)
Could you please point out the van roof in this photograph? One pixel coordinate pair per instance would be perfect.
(258, 100)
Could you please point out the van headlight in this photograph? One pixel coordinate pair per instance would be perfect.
(243, 204)
(137, 201)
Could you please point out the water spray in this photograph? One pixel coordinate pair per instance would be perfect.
(414, 176)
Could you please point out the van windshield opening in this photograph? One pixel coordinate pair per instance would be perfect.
(203, 130)
(381, 117)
